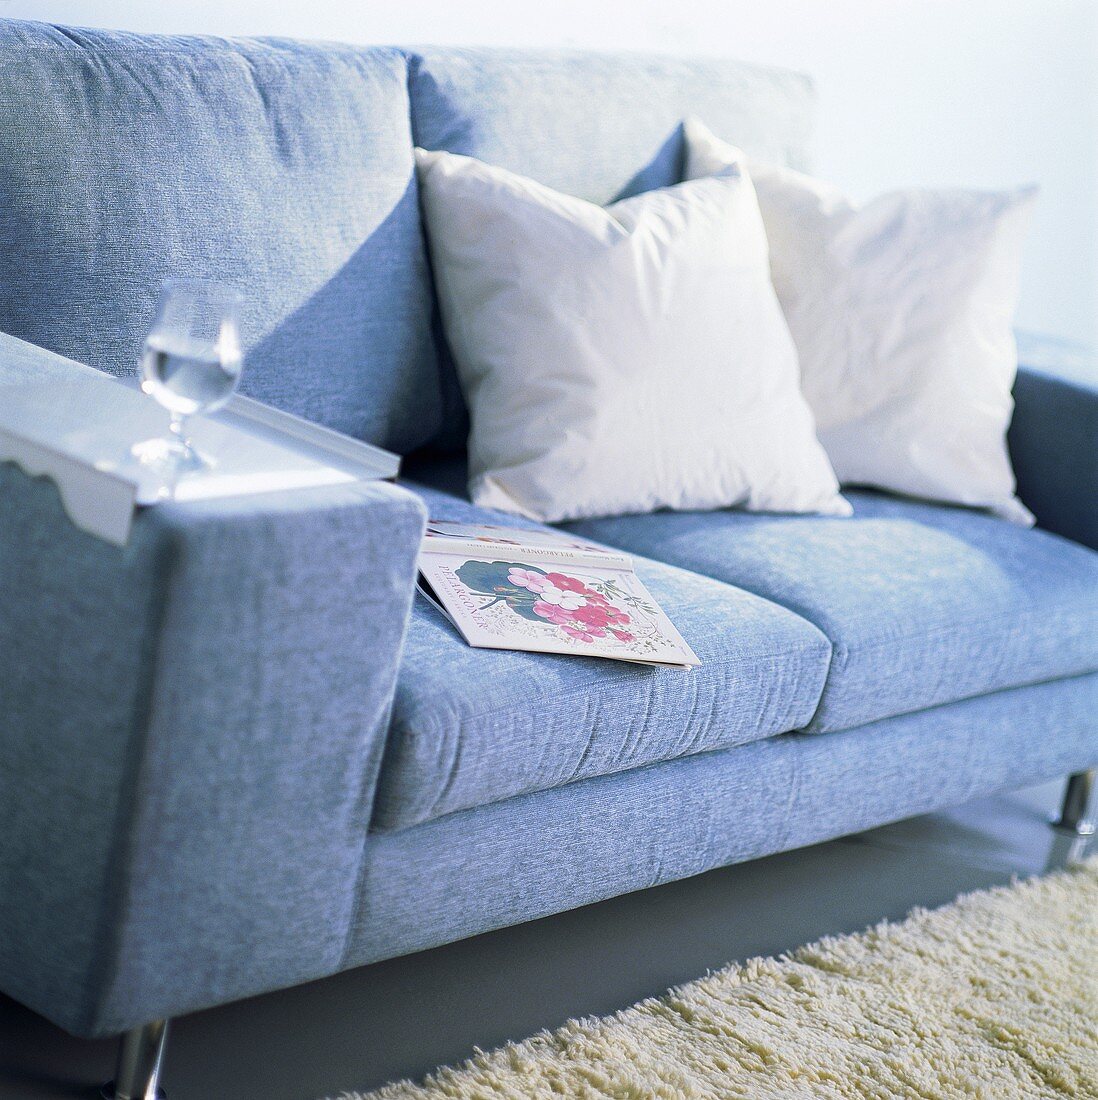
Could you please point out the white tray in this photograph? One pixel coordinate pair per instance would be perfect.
(75, 425)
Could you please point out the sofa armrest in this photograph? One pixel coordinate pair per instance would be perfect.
(1053, 439)
(190, 733)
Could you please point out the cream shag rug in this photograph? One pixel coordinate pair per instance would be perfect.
(994, 996)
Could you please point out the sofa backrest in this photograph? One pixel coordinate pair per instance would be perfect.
(284, 168)
(600, 126)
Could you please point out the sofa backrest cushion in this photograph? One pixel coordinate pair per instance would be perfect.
(282, 168)
(601, 126)
(597, 126)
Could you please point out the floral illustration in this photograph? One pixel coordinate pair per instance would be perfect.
(585, 611)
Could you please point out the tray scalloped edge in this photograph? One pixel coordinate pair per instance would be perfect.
(97, 501)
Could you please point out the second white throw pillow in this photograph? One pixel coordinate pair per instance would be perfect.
(619, 359)
(902, 313)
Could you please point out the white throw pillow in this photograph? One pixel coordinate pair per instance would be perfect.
(902, 313)
(620, 359)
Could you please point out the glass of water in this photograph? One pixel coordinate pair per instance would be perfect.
(191, 365)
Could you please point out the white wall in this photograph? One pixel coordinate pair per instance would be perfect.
(983, 93)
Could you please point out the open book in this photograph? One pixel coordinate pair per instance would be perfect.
(544, 591)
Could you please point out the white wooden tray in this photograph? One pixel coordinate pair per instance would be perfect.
(76, 425)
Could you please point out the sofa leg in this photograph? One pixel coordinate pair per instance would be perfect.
(1074, 814)
(140, 1055)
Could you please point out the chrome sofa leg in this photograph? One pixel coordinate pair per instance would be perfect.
(140, 1055)
(1074, 814)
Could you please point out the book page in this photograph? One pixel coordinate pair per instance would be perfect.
(517, 543)
(539, 605)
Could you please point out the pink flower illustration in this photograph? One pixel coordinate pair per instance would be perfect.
(580, 612)
(527, 578)
(593, 615)
(566, 583)
(582, 635)
(556, 615)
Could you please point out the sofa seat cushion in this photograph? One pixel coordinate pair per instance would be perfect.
(473, 726)
(924, 604)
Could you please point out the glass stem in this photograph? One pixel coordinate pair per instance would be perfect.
(178, 428)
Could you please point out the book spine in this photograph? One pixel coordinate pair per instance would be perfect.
(428, 593)
(562, 555)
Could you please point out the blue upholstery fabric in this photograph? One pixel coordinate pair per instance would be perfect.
(598, 126)
(543, 853)
(1054, 441)
(472, 726)
(923, 604)
(601, 126)
(191, 731)
(283, 168)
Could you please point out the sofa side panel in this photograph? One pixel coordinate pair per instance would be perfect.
(78, 629)
(1053, 443)
(197, 837)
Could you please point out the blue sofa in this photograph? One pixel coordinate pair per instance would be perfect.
(237, 754)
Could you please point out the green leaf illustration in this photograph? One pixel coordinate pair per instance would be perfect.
(490, 579)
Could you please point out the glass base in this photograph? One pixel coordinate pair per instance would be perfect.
(171, 457)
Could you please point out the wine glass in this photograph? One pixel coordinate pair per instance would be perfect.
(191, 365)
